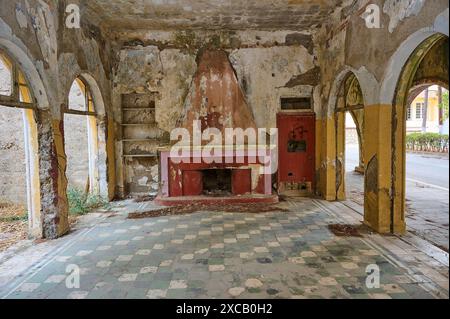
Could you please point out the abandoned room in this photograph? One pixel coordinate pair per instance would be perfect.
(260, 149)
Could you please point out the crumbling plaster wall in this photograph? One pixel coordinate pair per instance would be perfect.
(346, 42)
(33, 32)
(376, 56)
(268, 65)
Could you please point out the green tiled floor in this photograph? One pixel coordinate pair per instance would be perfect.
(220, 255)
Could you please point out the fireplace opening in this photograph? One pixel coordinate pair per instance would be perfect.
(217, 182)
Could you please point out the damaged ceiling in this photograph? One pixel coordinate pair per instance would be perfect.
(209, 14)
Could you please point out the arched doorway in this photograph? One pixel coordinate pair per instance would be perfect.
(80, 139)
(349, 108)
(20, 160)
(427, 65)
(85, 141)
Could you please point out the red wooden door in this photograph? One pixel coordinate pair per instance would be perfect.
(296, 147)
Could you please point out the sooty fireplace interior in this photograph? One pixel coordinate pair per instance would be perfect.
(217, 182)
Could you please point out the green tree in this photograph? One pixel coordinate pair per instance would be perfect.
(444, 105)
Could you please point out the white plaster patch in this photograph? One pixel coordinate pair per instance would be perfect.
(21, 16)
(399, 10)
(143, 181)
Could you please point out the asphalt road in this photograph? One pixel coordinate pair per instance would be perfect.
(429, 170)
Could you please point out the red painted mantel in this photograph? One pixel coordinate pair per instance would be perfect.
(181, 178)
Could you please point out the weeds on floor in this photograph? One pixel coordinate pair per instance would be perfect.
(81, 204)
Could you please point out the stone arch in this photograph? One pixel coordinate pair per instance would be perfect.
(366, 80)
(405, 50)
(28, 68)
(43, 221)
(409, 85)
(97, 136)
(335, 171)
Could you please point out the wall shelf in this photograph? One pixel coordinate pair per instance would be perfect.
(139, 109)
(141, 156)
(135, 140)
(139, 124)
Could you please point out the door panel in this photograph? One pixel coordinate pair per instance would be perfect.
(242, 181)
(192, 183)
(296, 149)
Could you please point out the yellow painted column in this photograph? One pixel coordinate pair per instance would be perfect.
(378, 170)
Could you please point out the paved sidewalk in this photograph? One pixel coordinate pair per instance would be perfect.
(427, 194)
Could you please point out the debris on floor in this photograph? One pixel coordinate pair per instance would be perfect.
(14, 224)
(349, 230)
(193, 208)
(147, 198)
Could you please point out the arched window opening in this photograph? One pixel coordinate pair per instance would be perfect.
(19, 172)
(81, 141)
(420, 162)
(349, 121)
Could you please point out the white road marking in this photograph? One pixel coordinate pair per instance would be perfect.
(429, 185)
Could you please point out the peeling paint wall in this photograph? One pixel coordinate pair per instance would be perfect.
(345, 45)
(33, 33)
(268, 66)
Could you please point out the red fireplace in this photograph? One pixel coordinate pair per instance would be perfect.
(216, 102)
(236, 180)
